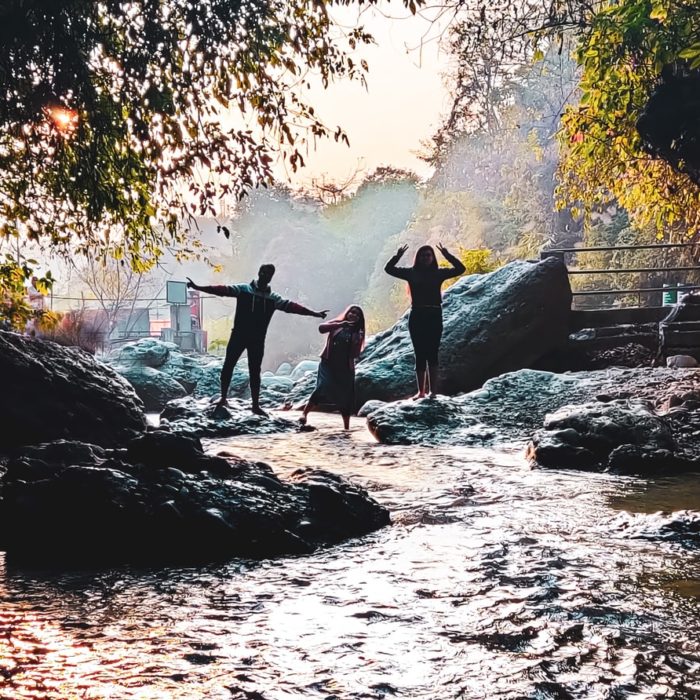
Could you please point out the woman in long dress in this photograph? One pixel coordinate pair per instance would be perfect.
(335, 383)
(425, 281)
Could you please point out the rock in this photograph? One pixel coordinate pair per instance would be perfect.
(510, 408)
(284, 370)
(53, 392)
(642, 461)
(493, 324)
(64, 504)
(200, 418)
(154, 388)
(278, 385)
(199, 375)
(587, 435)
(146, 352)
(676, 361)
(305, 367)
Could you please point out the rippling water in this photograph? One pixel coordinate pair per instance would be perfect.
(494, 581)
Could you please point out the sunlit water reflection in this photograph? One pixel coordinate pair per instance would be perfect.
(494, 581)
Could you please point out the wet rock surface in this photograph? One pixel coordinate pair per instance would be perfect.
(52, 392)
(159, 372)
(161, 499)
(201, 418)
(622, 436)
(630, 420)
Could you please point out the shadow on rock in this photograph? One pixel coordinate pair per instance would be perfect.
(161, 499)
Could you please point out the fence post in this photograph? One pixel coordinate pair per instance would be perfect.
(558, 254)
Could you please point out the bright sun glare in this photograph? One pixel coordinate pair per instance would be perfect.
(64, 119)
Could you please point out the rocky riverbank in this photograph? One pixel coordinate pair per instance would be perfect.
(83, 481)
(636, 420)
(161, 499)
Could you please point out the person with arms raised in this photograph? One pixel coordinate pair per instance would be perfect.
(425, 281)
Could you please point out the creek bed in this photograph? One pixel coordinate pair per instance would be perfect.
(493, 581)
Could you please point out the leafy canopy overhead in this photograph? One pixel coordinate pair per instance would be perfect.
(109, 107)
(625, 55)
(623, 49)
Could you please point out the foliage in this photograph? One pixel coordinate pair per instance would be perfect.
(623, 54)
(73, 329)
(117, 287)
(108, 108)
(15, 310)
(623, 49)
(612, 228)
(508, 164)
(479, 261)
(218, 346)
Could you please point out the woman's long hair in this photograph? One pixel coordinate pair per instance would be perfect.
(433, 265)
(360, 327)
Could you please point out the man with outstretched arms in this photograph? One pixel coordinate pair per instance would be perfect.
(255, 304)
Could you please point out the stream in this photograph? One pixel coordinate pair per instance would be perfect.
(494, 581)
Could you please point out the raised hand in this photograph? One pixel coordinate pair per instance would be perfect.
(322, 314)
(190, 283)
(401, 251)
(442, 249)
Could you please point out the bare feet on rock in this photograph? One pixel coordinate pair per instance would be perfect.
(419, 395)
(259, 412)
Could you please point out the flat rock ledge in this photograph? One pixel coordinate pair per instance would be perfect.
(162, 500)
(627, 420)
(199, 418)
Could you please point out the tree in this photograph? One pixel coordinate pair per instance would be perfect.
(619, 144)
(117, 288)
(629, 51)
(119, 121)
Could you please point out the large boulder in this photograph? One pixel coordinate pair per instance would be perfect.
(154, 388)
(620, 436)
(163, 500)
(52, 392)
(493, 324)
(146, 352)
(195, 374)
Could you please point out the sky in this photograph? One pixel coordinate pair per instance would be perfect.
(405, 98)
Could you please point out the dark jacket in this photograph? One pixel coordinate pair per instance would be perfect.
(254, 306)
(425, 282)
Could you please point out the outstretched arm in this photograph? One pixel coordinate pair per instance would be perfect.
(219, 290)
(457, 268)
(401, 272)
(291, 307)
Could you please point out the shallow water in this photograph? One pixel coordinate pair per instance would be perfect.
(493, 581)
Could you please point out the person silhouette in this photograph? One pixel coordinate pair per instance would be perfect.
(255, 305)
(425, 280)
(335, 383)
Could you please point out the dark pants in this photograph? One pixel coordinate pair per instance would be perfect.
(425, 327)
(255, 345)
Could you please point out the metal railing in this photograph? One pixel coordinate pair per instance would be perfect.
(561, 253)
